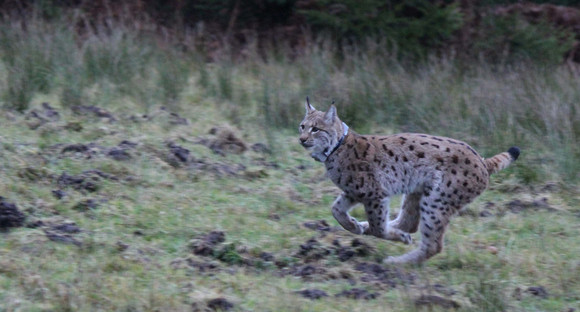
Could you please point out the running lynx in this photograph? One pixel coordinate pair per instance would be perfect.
(437, 175)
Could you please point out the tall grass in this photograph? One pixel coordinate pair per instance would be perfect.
(55, 57)
(489, 106)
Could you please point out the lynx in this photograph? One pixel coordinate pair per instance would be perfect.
(437, 176)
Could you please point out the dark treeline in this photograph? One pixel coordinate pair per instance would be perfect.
(496, 30)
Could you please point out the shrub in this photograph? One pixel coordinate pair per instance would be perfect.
(413, 26)
(509, 39)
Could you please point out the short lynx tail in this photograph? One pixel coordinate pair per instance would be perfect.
(502, 160)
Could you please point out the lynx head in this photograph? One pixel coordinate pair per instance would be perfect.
(321, 132)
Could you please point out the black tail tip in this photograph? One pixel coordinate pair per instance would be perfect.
(514, 152)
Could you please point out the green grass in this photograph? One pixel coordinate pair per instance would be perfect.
(136, 244)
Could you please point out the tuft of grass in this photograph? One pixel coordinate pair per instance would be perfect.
(488, 294)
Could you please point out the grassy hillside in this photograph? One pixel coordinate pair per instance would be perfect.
(153, 180)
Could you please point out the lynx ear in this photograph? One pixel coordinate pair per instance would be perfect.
(309, 108)
(330, 115)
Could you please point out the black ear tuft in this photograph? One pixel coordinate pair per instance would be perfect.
(514, 152)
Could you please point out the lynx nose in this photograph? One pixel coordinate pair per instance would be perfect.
(302, 140)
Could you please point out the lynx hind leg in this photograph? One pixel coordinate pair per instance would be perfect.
(433, 224)
(378, 216)
(340, 208)
(408, 218)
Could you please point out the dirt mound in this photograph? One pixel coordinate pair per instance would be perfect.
(225, 141)
(58, 231)
(62, 238)
(319, 225)
(87, 204)
(162, 115)
(38, 117)
(94, 111)
(374, 272)
(517, 206)
(538, 291)
(312, 250)
(10, 215)
(205, 245)
(90, 150)
(88, 181)
(58, 194)
(121, 151)
(82, 150)
(177, 155)
(225, 169)
(220, 304)
(357, 294)
(312, 293)
(431, 300)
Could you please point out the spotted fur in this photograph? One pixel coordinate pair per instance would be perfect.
(437, 175)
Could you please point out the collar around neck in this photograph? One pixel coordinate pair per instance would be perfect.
(344, 133)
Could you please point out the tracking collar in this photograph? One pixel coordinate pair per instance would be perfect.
(327, 154)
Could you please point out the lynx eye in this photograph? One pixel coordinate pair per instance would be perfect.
(314, 129)
(301, 127)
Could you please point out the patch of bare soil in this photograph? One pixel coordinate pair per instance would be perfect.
(225, 141)
(199, 265)
(312, 250)
(59, 231)
(306, 271)
(318, 225)
(433, 300)
(88, 181)
(40, 116)
(376, 273)
(517, 206)
(260, 148)
(442, 289)
(162, 115)
(220, 304)
(180, 157)
(312, 294)
(488, 210)
(62, 238)
(357, 294)
(177, 155)
(219, 169)
(10, 215)
(94, 111)
(86, 150)
(538, 291)
(121, 152)
(357, 248)
(88, 204)
(206, 244)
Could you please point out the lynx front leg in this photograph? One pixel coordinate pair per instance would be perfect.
(340, 208)
(378, 215)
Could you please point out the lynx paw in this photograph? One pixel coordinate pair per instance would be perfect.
(365, 227)
(405, 238)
